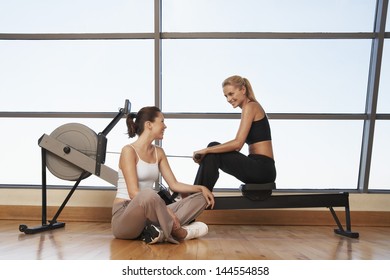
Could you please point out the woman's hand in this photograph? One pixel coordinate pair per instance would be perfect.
(198, 155)
(208, 195)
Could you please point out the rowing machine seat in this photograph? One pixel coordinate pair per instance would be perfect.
(257, 192)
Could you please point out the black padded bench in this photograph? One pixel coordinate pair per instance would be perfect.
(259, 196)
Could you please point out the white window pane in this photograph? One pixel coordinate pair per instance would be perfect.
(21, 156)
(317, 154)
(384, 85)
(76, 16)
(308, 154)
(379, 174)
(86, 76)
(269, 16)
(183, 137)
(298, 76)
(388, 22)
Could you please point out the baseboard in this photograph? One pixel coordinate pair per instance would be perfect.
(294, 217)
(243, 217)
(69, 213)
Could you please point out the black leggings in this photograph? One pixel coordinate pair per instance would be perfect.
(255, 169)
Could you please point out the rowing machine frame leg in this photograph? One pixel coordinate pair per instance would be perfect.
(341, 230)
(53, 224)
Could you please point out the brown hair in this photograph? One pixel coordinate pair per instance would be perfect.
(136, 122)
(239, 82)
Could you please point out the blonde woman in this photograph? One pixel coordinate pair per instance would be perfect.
(254, 129)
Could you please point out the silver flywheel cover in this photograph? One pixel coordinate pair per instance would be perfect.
(78, 137)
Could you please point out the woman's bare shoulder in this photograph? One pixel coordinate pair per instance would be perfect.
(253, 110)
(160, 151)
(127, 148)
(128, 151)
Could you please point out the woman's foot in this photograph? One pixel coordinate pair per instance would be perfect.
(152, 234)
(195, 230)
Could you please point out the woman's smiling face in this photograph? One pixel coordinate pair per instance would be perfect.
(234, 95)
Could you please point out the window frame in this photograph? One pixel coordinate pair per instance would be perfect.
(378, 35)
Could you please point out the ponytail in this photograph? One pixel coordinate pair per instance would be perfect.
(136, 122)
(131, 126)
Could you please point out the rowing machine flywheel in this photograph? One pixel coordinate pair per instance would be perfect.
(76, 136)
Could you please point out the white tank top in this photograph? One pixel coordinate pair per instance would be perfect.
(147, 176)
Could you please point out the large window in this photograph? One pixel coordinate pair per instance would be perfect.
(308, 61)
(294, 76)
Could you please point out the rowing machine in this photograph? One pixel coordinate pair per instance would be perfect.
(73, 152)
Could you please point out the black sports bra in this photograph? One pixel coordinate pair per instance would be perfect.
(260, 131)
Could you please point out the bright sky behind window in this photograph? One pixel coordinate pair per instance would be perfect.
(288, 76)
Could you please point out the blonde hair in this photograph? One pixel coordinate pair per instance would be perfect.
(239, 82)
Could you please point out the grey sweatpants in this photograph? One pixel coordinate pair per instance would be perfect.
(130, 217)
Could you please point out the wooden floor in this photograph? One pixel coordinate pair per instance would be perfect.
(93, 241)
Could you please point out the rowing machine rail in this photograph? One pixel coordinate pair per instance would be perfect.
(329, 200)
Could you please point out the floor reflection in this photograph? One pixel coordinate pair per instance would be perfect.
(47, 245)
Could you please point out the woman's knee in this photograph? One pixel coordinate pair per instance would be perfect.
(146, 196)
(199, 199)
(214, 143)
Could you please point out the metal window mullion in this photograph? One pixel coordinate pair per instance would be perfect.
(187, 35)
(183, 115)
(158, 64)
(75, 36)
(157, 53)
(274, 116)
(372, 95)
(267, 35)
